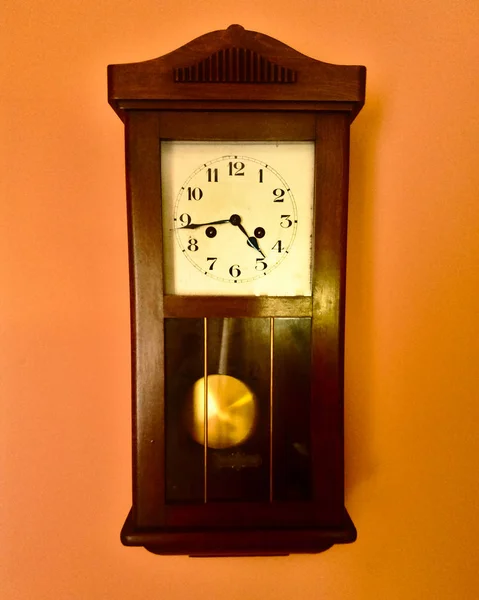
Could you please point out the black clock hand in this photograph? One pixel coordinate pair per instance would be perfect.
(252, 241)
(196, 225)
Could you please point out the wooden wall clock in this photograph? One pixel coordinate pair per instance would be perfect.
(237, 151)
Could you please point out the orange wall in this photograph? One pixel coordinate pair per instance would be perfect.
(413, 319)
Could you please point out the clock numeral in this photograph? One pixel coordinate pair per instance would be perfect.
(236, 169)
(278, 245)
(185, 219)
(192, 245)
(235, 271)
(260, 265)
(261, 175)
(286, 222)
(212, 175)
(278, 194)
(213, 263)
(195, 193)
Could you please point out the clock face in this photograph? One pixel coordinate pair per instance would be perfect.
(237, 217)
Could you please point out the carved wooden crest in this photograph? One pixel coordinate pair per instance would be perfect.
(235, 65)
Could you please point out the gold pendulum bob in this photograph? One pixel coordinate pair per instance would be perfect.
(231, 407)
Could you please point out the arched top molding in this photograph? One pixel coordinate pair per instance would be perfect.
(235, 65)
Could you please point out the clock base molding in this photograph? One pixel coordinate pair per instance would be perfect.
(238, 542)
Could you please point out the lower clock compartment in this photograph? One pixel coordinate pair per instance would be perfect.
(250, 376)
(238, 542)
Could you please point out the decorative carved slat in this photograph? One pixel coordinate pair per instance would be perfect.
(235, 65)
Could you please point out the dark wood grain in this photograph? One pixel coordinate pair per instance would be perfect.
(239, 542)
(216, 514)
(329, 273)
(225, 104)
(146, 283)
(246, 125)
(237, 306)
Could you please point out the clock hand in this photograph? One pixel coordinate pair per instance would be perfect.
(196, 225)
(252, 241)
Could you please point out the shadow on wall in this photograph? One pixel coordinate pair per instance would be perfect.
(360, 351)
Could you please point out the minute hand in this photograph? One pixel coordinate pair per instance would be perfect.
(196, 225)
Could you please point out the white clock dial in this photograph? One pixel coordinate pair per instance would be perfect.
(231, 219)
(223, 230)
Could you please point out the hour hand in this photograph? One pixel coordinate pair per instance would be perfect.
(196, 225)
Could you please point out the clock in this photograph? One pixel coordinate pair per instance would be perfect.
(235, 212)
(237, 150)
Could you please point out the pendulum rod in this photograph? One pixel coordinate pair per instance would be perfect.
(205, 409)
(271, 366)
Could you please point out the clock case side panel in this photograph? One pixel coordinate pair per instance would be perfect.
(147, 324)
(328, 308)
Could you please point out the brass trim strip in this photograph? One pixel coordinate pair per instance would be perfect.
(205, 408)
(271, 390)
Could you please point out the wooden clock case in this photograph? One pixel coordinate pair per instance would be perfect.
(236, 84)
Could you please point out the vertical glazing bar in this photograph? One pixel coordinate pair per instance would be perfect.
(205, 407)
(271, 365)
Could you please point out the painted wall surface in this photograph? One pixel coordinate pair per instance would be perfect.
(412, 400)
